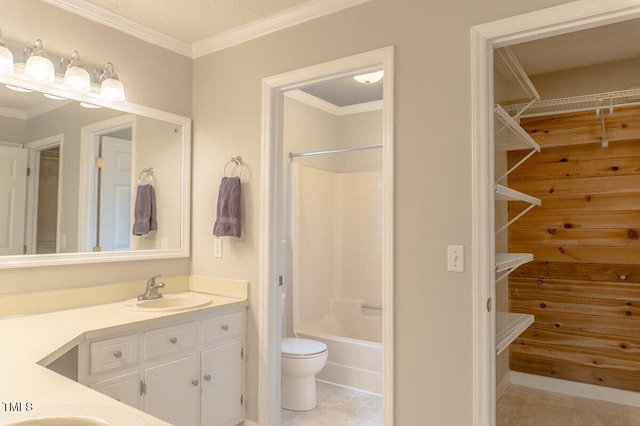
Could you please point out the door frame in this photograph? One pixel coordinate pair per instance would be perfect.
(569, 17)
(31, 224)
(87, 202)
(271, 250)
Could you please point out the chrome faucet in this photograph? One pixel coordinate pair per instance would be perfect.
(152, 289)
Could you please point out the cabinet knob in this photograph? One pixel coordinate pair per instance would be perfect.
(117, 354)
(207, 377)
(225, 327)
(194, 382)
(174, 340)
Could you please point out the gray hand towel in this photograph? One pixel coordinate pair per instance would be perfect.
(228, 210)
(145, 211)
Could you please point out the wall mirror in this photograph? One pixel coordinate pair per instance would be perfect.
(84, 179)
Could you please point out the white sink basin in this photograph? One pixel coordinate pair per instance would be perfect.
(170, 302)
(74, 415)
(61, 421)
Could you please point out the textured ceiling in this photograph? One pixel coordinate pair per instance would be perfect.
(346, 91)
(194, 20)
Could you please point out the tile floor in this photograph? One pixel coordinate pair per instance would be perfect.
(522, 406)
(338, 407)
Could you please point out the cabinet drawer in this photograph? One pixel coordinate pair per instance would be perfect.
(169, 340)
(113, 353)
(221, 327)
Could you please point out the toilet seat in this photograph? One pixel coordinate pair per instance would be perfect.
(293, 347)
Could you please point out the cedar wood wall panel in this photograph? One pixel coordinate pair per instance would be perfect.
(584, 285)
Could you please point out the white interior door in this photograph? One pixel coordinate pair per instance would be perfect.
(13, 186)
(115, 200)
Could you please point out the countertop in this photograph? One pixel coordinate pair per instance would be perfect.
(28, 343)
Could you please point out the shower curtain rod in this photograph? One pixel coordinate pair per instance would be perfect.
(331, 151)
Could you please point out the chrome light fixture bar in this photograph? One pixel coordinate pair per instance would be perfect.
(72, 76)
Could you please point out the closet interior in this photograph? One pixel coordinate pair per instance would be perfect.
(567, 227)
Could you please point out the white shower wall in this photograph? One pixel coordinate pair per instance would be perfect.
(337, 239)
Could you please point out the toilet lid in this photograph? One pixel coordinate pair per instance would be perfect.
(296, 346)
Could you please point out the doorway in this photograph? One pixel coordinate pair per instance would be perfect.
(105, 184)
(485, 38)
(44, 195)
(273, 227)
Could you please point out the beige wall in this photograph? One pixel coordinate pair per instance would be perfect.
(620, 75)
(13, 130)
(358, 130)
(433, 322)
(152, 76)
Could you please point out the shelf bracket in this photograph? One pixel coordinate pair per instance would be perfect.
(522, 213)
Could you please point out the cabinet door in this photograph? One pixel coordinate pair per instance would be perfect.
(124, 388)
(222, 385)
(173, 391)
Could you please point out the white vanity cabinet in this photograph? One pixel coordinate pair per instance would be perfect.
(172, 391)
(187, 373)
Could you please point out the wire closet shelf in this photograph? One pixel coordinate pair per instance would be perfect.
(596, 102)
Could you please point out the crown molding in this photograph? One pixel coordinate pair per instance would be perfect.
(12, 113)
(336, 110)
(307, 11)
(360, 108)
(44, 108)
(120, 23)
(287, 18)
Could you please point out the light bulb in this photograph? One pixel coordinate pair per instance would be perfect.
(6, 57)
(111, 87)
(38, 66)
(76, 77)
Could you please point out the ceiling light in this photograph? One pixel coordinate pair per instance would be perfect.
(111, 87)
(6, 57)
(57, 98)
(369, 78)
(88, 105)
(76, 77)
(38, 66)
(17, 88)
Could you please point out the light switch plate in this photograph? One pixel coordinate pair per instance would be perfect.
(217, 247)
(455, 258)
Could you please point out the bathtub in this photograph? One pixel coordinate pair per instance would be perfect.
(353, 335)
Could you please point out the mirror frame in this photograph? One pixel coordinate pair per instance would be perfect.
(31, 260)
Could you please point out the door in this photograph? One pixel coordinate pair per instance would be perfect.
(124, 388)
(115, 194)
(222, 385)
(173, 391)
(13, 186)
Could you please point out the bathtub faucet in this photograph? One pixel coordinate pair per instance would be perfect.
(152, 289)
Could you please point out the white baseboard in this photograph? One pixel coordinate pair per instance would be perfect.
(583, 390)
(250, 423)
(504, 383)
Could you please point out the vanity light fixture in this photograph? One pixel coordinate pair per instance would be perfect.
(38, 65)
(369, 78)
(6, 57)
(110, 85)
(76, 77)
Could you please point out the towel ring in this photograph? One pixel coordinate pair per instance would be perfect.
(238, 162)
(149, 172)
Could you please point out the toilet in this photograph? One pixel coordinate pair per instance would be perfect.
(301, 360)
